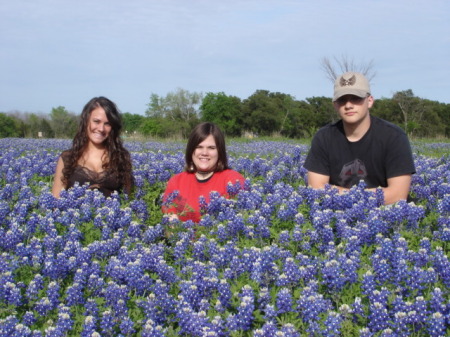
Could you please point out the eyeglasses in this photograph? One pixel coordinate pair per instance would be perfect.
(350, 98)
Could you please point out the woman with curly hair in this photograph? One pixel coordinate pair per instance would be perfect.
(97, 156)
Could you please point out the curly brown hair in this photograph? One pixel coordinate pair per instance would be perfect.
(118, 161)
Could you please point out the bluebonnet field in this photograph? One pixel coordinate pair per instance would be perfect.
(278, 259)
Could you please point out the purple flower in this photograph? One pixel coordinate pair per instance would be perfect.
(378, 317)
(74, 294)
(332, 324)
(436, 325)
(64, 323)
(310, 305)
(332, 275)
(284, 301)
(43, 306)
(34, 287)
(243, 319)
(28, 318)
(368, 283)
(108, 322)
(399, 324)
(150, 329)
(289, 330)
(358, 309)
(127, 326)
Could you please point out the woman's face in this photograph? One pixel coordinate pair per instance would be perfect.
(98, 126)
(205, 155)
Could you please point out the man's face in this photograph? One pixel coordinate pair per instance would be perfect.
(353, 109)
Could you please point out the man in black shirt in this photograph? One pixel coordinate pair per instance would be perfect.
(360, 146)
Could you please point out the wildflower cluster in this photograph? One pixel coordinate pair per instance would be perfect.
(275, 259)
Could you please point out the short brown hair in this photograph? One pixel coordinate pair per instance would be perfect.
(198, 135)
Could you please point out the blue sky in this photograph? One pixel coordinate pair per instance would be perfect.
(62, 53)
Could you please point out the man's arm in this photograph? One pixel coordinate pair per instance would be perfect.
(318, 181)
(397, 189)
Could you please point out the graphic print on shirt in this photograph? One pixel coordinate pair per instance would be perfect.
(352, 173)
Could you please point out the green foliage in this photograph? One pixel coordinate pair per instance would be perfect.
(265, 112)
(177, 113)
(46, 129)
(8, 126)
(323, 110)
(153, 126)
(64, 124)
(387, 109)
(418, 117)
(223, 110)
(131, 122)
(350, 326)
(152, 199)
(33, 126)
(443, 111)
(178, 105)
(166, 128)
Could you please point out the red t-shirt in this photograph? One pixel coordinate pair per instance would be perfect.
(186, 205)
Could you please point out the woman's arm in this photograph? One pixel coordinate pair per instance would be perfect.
(57, 180)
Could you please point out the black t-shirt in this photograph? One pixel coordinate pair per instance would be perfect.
(383, 152)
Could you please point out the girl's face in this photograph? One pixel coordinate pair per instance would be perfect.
(205, 155)
(98, 126)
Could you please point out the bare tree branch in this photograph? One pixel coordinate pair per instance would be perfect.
(344, 64)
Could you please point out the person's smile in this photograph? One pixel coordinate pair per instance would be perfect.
(205, 156)
(99, 127)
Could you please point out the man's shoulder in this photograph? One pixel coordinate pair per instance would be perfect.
(330, 129)
(380, 123)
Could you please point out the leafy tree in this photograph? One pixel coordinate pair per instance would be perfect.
(223, 110)
(21, 127)
(413, 110)
(443, 111)
(416, 116)
(164, 128)
(387, 109)
(8, 126)
(132, 122)
(323, 110)
(157, 107)
(153, 126)
(289, 107)
(39, 125)
(33, 125)
(300, 122)
(179, 105)
(265, 111)
(64, 124)
(46, 129)
(430, 124)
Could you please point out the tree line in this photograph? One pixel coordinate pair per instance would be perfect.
(264, 113)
